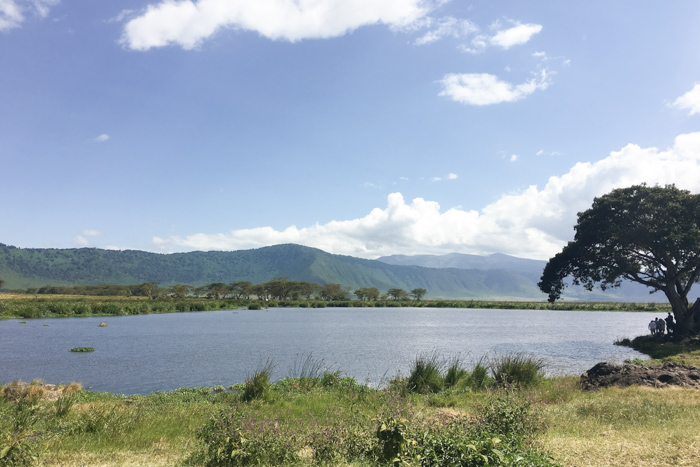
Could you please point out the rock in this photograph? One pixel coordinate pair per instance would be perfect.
(606, 374)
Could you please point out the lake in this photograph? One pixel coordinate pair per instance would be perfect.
(160, 352)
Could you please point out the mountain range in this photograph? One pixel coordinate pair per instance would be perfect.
(456, 276)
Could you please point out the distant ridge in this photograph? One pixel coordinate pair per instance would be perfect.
(35, 267)
(455, 276)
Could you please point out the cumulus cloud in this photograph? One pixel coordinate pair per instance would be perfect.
(13, 12)
(486, 89)
(690, 100)
(533, 223)
(102, 138)
(187, 23)
(513, 157)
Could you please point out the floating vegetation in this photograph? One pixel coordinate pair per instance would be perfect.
(103, 325)
(45, 324)
(22, 322)
(82, 349)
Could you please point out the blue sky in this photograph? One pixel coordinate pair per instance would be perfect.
(361, 127)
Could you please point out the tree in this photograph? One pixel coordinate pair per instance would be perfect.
(417, 294)
(2, 282)
(649, 235)
(333, 292)
(367, 293)
(217, 290)
(241, 289)
(181, 290)
(148, 289)
(397, 294)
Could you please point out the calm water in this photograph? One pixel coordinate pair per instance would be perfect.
(142, 354)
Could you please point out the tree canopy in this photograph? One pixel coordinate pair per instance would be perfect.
(649, 235)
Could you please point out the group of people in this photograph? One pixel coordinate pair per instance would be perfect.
(658, 327)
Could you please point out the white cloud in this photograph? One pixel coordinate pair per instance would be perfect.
(486, 89)
(517, 35)
(13, 12)
(187, 23)
(446, 27)
(504, 38)
(91, 233)
(450, 176)
(102, 138)
(513, 157)
(534, 223)
(690, 100)
(81, 241)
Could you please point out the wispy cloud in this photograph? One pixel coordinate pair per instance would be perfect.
(187, 23)
(450, 176)
(518, 34)
(486, 89)
(13, 12)
(102, 138)
(532, 223)
(513, 157)
(446, 27)
(92, 233)
(690, 100)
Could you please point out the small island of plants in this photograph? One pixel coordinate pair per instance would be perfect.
(82, 349)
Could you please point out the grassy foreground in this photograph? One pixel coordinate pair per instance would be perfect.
(440, 414)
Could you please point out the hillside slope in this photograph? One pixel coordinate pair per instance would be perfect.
(34, 267)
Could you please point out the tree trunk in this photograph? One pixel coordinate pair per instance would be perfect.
(685, 317)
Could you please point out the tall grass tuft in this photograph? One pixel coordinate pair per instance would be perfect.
(258, 385)
(517, 369)
(455, 372)
(425, 375)
(479, 377)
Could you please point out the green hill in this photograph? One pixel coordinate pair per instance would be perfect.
(34, 267)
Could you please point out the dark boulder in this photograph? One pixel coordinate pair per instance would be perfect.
(607, 374)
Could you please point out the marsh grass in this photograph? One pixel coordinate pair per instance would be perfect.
(517, 369)
(258, 385)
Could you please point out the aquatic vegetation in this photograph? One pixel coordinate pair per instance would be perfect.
(82, 349)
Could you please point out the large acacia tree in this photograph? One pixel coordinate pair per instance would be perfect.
(649, 235)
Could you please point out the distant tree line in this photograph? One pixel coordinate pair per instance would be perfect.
(280, 288)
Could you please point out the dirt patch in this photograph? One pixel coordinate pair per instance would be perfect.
(607, 374)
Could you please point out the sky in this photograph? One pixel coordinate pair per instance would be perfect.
(360, 127)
